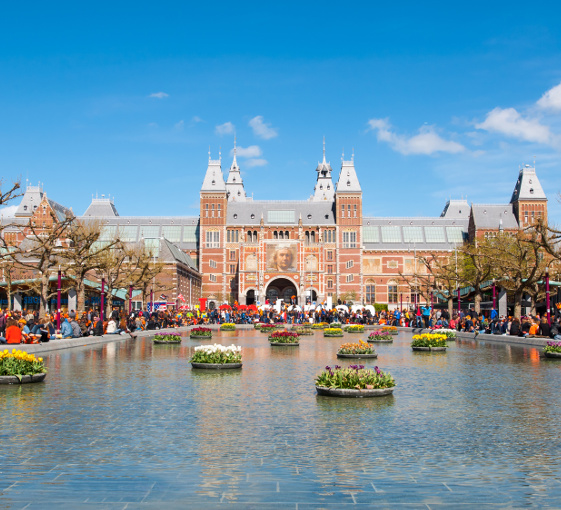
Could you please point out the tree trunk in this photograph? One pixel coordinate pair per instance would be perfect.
(477, 302)
(80, 294)
(44, 294)
(518, 305)
(9, 290)
(451, 306)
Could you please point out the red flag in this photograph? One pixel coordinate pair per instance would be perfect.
(181, 298)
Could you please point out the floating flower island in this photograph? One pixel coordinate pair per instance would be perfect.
(217, 357)
(451, 334)
(356, 350)
(268, 328)
(356, 381)
(354, 328)
(429, 342)
(19, 367)
(227, 326)
(335, 325)
(167, 338)
(389, 330)
(201, 333)
(302, 330)
(332, 332)
(320, 325)
(552, 350)
(284, 338)
(380, 336)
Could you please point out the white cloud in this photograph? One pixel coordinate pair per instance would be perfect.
(426, 142)
(225, 129)
(253, 151)
(551, 100)
(261, 129)
(179, 126)
(197, 119)
(8, 211)
(159, 95)
(509, 122)
(256, 162)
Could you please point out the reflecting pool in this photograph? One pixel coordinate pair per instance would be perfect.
(131, 425)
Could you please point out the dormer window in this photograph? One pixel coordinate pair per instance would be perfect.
(25, 208)
(213, 183)
(348, 183)
(531, 190)
(234, 179)
(321, 186)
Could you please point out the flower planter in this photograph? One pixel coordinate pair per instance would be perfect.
(284, 343)
(216, 366)
(379, 341)
(333, 335)
(200, 337)
(432, 349)
(25, 379)
(353, 393)
(167, 342)
(388, 332)
(552, 355)
(356, 356)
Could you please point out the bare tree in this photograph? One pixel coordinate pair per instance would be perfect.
(41, 252)
(445, 273)
(475, 269)
(519, 257)
(85, 253)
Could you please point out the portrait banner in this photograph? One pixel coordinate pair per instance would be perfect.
(281, 257)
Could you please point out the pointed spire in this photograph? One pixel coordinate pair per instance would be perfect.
(324, 162)
(235, 163)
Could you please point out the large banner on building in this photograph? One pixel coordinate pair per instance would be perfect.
(281, 257)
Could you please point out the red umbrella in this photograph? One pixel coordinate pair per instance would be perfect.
(242, 307)
(225, 307)
(252, 308)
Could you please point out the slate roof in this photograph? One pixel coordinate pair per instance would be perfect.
(32, 199)
(348, 180)
(528, 186)
(169, 253)
(101, 207)
(312, 212)
(494, 217)
(214, 180)
(456, 209)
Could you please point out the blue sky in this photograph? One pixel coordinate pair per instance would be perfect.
(125, 99)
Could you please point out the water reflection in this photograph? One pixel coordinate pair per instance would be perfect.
(481, 415)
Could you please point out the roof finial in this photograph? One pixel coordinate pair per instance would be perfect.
(209, 153)
(343, 155)
(534, 161)
(220, 153)
(324, 150)
(353, 156)
(235, 163)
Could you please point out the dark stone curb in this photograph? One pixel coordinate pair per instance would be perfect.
(12, 379)
(217, 366)
(374, 355)
(351, 393)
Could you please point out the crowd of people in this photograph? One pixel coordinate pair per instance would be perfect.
(27, 327)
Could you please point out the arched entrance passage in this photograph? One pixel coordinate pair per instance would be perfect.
(281, 288)
(250, 297)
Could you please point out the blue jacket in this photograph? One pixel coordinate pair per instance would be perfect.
(66, 329)
(426, 310)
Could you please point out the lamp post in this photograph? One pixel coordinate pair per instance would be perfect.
(494, 295)
(130, 298)
(547, 295)
(102, 300)
(401, 302)
(459, 303)
(58, 292)
(431, 298)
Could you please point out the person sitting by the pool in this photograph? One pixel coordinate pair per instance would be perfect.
(112, 328)
(66, 328)
(13, 332)
(544, 328)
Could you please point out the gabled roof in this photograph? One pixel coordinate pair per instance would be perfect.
(31, 200)
(169, 252)
(101, 207)
(324, 190)
(214, 180)
(281, 212)
(528, 186)
(234, 184)
(494, 217)
(348, 180)
(456, 209)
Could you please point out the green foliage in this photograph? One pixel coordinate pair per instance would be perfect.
(354, 377)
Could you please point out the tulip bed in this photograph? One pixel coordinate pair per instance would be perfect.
(354, 328)
(356, 348)
(284, 337)
(19, 363)
(354, 377)
(320, 325)
(167, 337)
(330, 332)
(379, 336)
(227, 326)
(217, 354)
(429, 340)
(552, 347)
(201, 332)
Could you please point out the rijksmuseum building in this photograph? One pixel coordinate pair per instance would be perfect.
(249, 251)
